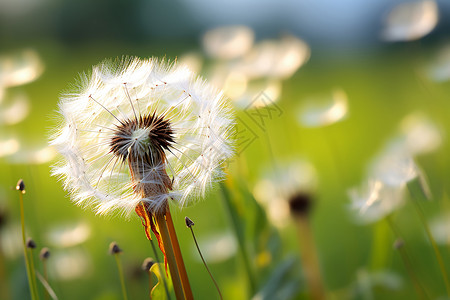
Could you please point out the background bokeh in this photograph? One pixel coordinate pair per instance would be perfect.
(336, 81)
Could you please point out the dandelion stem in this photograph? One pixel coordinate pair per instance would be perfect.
(309, 258)
(434, 245)
(178, 257)
(407, 262)
(122, 279)
(204, 262)
(160, 270)
(170, 256)
(22, 221)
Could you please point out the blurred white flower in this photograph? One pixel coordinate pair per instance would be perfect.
(250, 99)
(440, 228)
(21, 68)
(419, 134)
(217, 247)
(410, 21)
(10, 240)
(9, 146)
(375, 200)
(69, 234)
(33, 155)
(141, 130)
(15, 111)
(388, 176)
(277, 188)
(323, 111)
(228, 42)
(70, 264)
(274, 58)
(394, 167)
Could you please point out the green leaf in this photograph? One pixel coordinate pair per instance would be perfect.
(277, 283)
(159, 292)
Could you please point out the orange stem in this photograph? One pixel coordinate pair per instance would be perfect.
(178, 257)
(165, 235)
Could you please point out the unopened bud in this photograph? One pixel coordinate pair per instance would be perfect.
(147, 264)
(44, 254)
(189, 222)
(20, 186)
(399, 243)
(114, 248)
(31, 244)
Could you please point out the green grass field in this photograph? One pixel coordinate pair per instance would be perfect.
(382, 87)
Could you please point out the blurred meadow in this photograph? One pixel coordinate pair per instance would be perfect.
(342, 106)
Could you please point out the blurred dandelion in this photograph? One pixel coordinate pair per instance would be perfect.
(69, 234)
(275, 58)
(276, 188)
(228, 42)
(410, 21)
(138, 133)
(15, 111)
(70, 264)
(33, 155)
(419, 134)
(21, 68)
(9, 146)
(394, 168)
(323, 111)
(440, 228)
(375, 200)
(218, 247)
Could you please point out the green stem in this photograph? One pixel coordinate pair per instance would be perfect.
(33, 272)
(122, 278)
(204, 262)
(407, 262)
(44, 266)
(27, 263)
(434, 245)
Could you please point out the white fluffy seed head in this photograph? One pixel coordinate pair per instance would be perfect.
(141, 130)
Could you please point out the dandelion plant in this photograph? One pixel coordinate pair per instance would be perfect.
(137, 134)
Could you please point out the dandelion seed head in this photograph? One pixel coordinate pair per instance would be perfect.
(141, 130)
